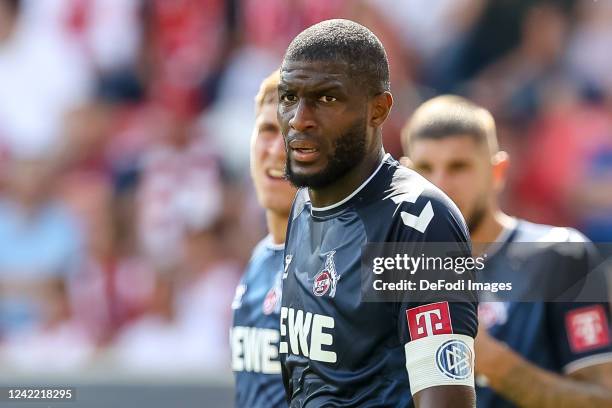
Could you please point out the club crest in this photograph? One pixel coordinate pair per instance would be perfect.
(271, 301)
(326, 280)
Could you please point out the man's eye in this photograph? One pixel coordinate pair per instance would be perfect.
(457, 167)
(288, 98)
(327, 99)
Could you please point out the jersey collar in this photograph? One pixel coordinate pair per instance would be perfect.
(505, 237)
(330, 208)
(508, 232)
(269, 243)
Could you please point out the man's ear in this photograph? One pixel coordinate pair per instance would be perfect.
(381, 106)
(500, 163)
(406, 162)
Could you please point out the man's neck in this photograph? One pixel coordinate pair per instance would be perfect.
(491, 227)
(277, 226)
(344, 186)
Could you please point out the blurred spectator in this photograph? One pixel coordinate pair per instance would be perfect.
(180, 188)
(60, 344)
(419, 23)
(42, 76)
(186, 42)
(186, 325)
(588, 49)
(493, 29)
(512, 86)
(573, 188)
(206, 286)
(107, 30)
(41, 248)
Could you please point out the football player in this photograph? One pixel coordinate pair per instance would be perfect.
(254, 335)
(336, 349)
(530, 354)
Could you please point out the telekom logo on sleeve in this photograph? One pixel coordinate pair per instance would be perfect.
(429, 320)
(587, 328)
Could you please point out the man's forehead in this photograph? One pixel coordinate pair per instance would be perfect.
(267, 112)
(462, 147)
(452, 141)
(315, 73)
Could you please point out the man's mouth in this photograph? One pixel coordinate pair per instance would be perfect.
(304, 151)
(308, 150)
(276, 174)
(305, 155)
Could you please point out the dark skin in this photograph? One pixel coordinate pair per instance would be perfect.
(319, 101)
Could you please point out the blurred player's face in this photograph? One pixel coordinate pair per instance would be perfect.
(268, 162)
(322, 113)
(461, 168)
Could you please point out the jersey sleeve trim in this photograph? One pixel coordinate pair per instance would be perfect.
(587, 362)
(445, 359)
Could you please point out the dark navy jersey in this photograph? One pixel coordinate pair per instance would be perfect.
(557, 336)
(338, 350)
(254, 335)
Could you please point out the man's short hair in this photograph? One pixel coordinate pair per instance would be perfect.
(344, 41)
(268, 91)
(447, 116)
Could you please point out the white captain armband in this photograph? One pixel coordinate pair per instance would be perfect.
(444, 359)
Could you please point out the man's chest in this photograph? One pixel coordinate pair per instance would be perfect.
(257, 299)
(323, 315)
(322, 265)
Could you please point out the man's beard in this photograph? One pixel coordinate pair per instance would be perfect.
(474, 220)
(349, 151)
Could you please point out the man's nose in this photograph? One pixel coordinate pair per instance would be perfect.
(442, 181)
(303, 118)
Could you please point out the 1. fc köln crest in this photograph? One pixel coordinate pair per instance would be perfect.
(325, 281)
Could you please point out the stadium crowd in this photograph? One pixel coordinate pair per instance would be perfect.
(126, 210)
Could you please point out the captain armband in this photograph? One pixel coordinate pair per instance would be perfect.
(444, 359)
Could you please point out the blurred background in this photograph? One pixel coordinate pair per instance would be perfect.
(126, 209)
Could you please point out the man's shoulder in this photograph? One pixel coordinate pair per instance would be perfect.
(532, 232)
(299, 202)
(261, 248)
(412, 185)
(416, 195)
(262, 253)
(562, 249)
(412, 206)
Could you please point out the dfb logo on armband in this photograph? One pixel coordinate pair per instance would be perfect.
(454, 359)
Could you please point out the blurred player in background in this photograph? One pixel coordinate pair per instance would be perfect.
(255, 336)
(529, 354)
(336, 349)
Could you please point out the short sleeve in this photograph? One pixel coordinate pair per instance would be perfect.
(582, 334)
(437, 333)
